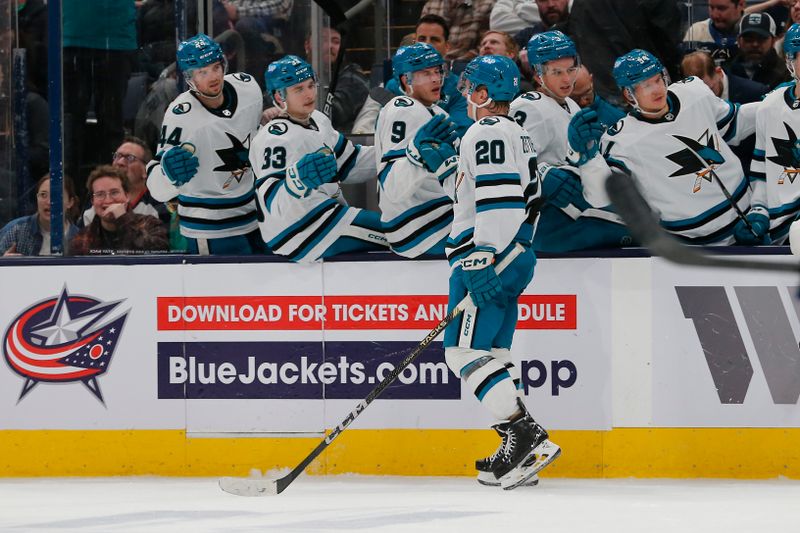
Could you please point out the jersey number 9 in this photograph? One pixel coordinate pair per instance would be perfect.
(398, 131)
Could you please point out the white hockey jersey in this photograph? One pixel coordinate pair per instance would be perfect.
(774, 171)
(495, 190)
(303, 228)
(675, 161)
(547, 123)
(219, 201)
(416, 213)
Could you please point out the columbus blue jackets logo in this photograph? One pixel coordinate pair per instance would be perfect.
(62, 339)
(700, 157)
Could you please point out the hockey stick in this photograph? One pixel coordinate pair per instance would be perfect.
(645, 228)
(268, 487)
(722, 186)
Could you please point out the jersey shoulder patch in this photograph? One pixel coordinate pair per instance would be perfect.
(242, 76)
(531, 96)
(182, 108)
(278, 127)
(616, 128)
(403, 101)
(489, 121)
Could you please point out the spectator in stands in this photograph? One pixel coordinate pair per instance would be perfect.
(495, 42)
(132, 157)
(618, 26)
(757, 59)
(99, 41)
(147, 125)
(431, 29)
(352, 87)
(30, 235)
(513, 16)
(553, 14)
(156, 23)
(32, 32)
(466, 20)
(794, 16)
(116, 229)
(584, 95)
(498, 43)
(719, 32)
(261, 22)
(733, 88)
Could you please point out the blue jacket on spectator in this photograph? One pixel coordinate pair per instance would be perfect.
(27, 235)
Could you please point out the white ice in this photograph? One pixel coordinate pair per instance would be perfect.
(408, 504)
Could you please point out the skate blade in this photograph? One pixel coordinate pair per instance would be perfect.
(493, 482)
(542, 455)
(242, 486)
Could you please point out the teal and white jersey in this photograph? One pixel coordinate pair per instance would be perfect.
(547, 123)
(416, 213)
(219, 201)
(677, 158)
(303, 228)
(774, 170)
(496, 189)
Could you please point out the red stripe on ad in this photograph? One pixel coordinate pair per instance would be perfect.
(384, 312)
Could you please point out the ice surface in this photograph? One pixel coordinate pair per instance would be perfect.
(408, 504)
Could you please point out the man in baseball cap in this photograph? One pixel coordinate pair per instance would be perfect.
(757, 59)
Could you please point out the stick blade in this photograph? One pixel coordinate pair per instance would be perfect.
(242, 486)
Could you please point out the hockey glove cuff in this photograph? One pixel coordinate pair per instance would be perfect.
(479, 276)
(180, 164)
(561, 186)
(311, 171)
(758, 217)
(584, 133)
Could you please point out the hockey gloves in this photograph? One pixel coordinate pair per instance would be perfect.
(481, 280)
(584, 134)
(179, 164)
(313, 170)
(758, 218)
(560, 185)
(432, 147)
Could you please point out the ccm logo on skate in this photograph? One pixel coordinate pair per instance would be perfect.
(535, 373)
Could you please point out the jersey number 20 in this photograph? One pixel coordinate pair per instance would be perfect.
(490, 152)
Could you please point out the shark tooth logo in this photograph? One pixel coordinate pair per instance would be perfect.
(63, 339)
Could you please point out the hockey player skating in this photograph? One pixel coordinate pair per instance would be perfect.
(495, 193)
(675, 144)
(775, 167)
(567, 222)
(413, 147)
(300, 160)
(203, 153)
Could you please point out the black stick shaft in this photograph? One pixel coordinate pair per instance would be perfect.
(286, 480)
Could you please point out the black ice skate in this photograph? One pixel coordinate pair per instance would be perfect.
(526, 451)
(485, 466)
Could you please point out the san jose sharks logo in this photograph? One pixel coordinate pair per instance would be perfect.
(63, 339)
(234, 159)
(785, 150)
(700, 157)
